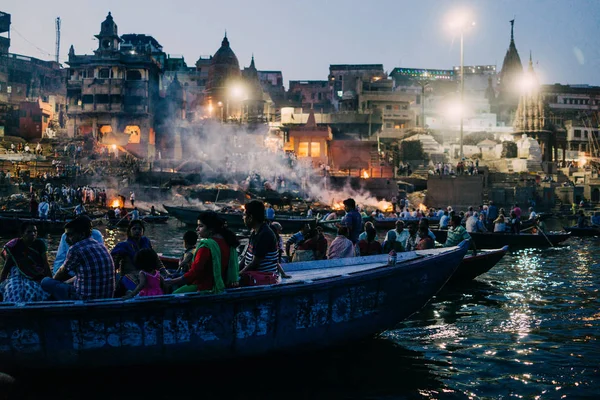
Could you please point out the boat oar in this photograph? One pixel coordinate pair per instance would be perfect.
(542, 232)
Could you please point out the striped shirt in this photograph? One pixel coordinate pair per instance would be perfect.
(263, 244)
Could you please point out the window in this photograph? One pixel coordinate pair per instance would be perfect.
(9, 89)
(320, 96)
(388, 125)
(388, 107)
(45, 118)
(104, 73)
(312, 96)
(303, 149)
(134, 75)
(88, 99)
(585, 134)
(102, 99)
(315, 149)
(115, 99)
(577, 133)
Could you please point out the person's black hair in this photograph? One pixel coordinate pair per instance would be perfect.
(134, 223)
(146, 260)
(424, 222)
(217, 224)
(81, 225)
(343, 231)
(256, 209)
(456, 220)
(190, 237)
(371, 234)
(26, 225)
(350, 203)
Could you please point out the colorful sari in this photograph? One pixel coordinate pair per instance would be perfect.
(124, 255)
(24, 268)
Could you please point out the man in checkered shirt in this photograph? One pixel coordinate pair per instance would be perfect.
(89, 261)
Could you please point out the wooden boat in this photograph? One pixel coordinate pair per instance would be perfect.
(13, 224)
(473, 266)
(148, 219)
(332, 224)
(491, 240)
(582, 232)
(390, 223)
(320, 307)
(189, 216)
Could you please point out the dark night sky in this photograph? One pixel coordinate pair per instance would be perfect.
(302, 38)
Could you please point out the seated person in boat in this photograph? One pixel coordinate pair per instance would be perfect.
(278, 230)
(25, 265)
(515, 223)
(296, 238)
(341, 246)
(370, 246)
(582, 220)
(153, 211)
(307, 249)
(475, 224)
(539, 227)
(424, 241)
(363, 235)
(63, 247)
(124, 253)
(150, 281)
(396, 238)
(499, 224)
(457, 233)
(190, 238)
(89, 262)
(215, 266)
(322, 244)
(424, 223)
(413, 238)
(259, 265)
(444, 220)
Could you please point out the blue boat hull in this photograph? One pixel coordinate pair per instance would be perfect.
(241, 322)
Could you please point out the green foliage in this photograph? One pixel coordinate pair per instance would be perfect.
(509, 150)
(412, 150)
(477, 137)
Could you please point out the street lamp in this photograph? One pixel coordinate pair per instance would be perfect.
(461, 21)
(423, 81)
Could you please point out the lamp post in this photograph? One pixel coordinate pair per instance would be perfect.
(462, 90)
(220, 104)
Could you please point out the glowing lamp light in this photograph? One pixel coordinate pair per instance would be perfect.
(210, 108)
(527, 83)
(237, 91)
(460, 20)
(114, 147)
(365, 175)
(581, 161)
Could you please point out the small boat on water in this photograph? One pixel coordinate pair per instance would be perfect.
(474, 265)
(148, 219)
(332, 224)
(491, 240)
(189, 216)
(390, 223)
(582, 232)
(348, 300)
(13, 224)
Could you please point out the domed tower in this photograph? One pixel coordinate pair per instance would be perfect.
(254, 97)
(224, 71)
(176, 98)
(108, 38)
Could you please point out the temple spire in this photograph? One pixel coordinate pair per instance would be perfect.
(512, 30)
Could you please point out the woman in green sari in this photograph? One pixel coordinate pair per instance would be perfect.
(215, 266)
(25, 265)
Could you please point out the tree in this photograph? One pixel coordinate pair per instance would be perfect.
(412, 150)
(509, 150)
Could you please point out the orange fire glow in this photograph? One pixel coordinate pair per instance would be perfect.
(422, 207)
(365, 175)
(115, 203)
(338, 206)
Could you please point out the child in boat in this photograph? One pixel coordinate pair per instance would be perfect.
(151, 283)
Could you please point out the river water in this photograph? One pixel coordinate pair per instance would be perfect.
(529, 328)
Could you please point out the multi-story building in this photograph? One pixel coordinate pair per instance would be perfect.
(311, 94)
(344, 81)
(113, 94)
